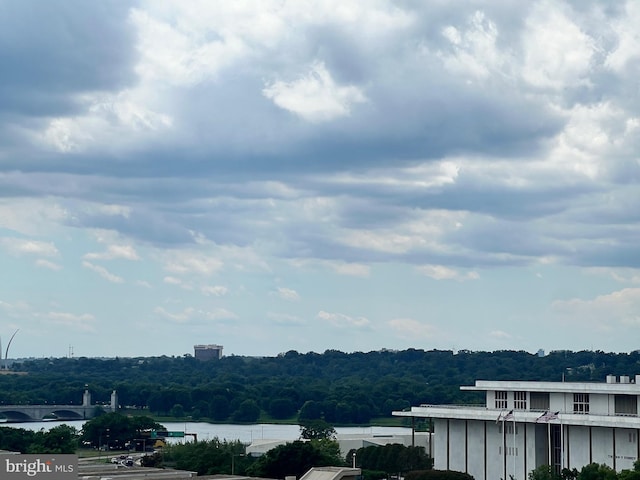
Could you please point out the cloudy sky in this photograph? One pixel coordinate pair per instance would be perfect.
(327, 174)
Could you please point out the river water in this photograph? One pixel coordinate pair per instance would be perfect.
(229, 432)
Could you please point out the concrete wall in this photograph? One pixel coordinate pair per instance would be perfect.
(478, 447)
(557, 403)
(599, 404)
(626, 441)
(457, 445)
(602, 445)
(577, 446)
(440, 447)
(475, 448)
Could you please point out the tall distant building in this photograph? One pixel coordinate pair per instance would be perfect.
(207, 352)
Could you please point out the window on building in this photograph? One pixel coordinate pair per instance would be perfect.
(626, 405)
(508, 427)
(520, 400)
(501, 400)
(510, 451)
(633, 437)
(580, 403)
(539, 401)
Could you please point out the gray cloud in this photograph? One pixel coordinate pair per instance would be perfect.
(52, 51)
(441, 84)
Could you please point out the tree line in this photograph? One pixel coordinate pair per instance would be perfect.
(593, 471)
(340, 388)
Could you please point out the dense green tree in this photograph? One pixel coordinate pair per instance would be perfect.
(337, 387)
(631, 474)
(393, 458)
(114, 430)
(281, 408)
(219, 408)
(595, 471)
(317, 430)
(59, 439)
(247, 412)
(209, 457)
(543, 472)
(16, 439)
(311, 410)
(438, 475)
(177, 411)
(294, 458)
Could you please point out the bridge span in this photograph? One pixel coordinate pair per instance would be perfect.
(33, 413)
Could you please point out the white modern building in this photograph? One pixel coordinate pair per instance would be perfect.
(523, 425)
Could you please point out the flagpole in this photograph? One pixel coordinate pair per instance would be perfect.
(561, 444)
(514, 446)
(549, 441)
(504, 449)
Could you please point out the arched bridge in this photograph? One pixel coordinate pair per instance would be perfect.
(29, 413)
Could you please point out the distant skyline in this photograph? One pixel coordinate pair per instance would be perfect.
(282, 175)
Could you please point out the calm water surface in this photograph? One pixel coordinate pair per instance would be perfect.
(229, 432)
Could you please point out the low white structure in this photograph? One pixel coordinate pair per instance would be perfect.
(352, 441)
(355, 441)
(332, 473)
(523, 425)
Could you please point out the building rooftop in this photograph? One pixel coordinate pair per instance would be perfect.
(610, 387)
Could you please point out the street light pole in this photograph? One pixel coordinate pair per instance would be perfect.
(233, 462)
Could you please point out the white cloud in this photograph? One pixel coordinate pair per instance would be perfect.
(186, 262)
(190, 314)
(115, 210)
(557, 53)
(84, 322)
(604, 312)
(20, 246)
(440, 272)
(474, 51)
(628, 45)
(500, 335)
(108, 122)
(285, 319)
(342, 320)
(412, 329)
(287, 294)
(622, 275)
(48, 264)
(315, 96)
(126, 252)
(103, 272)
(214, 290)
(29, 216)
(185, 52)
(15, 309)
(351, 269)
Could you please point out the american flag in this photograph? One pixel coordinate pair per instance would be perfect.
(547, 416)
(507, 416)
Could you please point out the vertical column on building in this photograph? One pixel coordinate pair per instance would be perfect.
(613, 445)
(448, 443)
(485, 450)
(466, 446)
